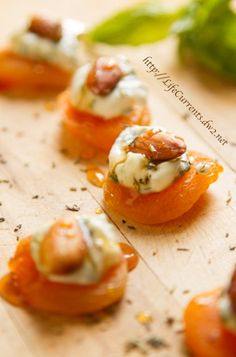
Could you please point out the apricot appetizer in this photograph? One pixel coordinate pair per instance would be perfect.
(73, 267)
(153, 178)
(105, 97)
(210, 323)
(41, 57)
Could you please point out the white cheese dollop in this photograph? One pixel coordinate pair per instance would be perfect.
(128, 91)
(103, 252)
(68, 53)
(134, 170)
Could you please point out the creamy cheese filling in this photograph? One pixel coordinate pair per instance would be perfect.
(129, 91)
(134, 170)
(67, 53)
(226, 313)
(103, 252)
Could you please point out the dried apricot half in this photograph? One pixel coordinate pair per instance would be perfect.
(204, 331)
(159, 207)
(71, 268)
(94, 130)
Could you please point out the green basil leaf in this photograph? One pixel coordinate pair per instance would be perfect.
(207, 33)
(143, 23)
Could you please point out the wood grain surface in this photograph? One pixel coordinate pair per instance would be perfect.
(33, 165)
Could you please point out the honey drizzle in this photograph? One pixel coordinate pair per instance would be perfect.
(130, 255)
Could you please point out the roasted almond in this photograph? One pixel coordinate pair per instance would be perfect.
(158, 146)
(49, 29)
(232, 292)
(104, 76)
(63, 247)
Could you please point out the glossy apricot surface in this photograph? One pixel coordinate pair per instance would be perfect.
(19, 75)
(164, 206)
(25, 286)
(96, 131)
(205, 334)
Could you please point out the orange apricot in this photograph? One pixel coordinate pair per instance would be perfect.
(25, 286)
(204, 332)
(96, 131)
(160, 207)
(19, 75)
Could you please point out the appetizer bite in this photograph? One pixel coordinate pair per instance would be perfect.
(153, 178)
(210, 323)
(73, 267)
(105, 97)
(41, 57)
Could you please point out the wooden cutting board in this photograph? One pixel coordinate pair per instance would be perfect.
(177, 260)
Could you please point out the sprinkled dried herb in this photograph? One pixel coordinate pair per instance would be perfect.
(4, 181)
(114, 176)
(157, 343)
(143, 346)
(73, 189)
(136, 345)
(92, 319)
(83, 188)
(131, 227)
(152, 166)
(229, 198)
(170, 321)
(171, 291)
(185, 116)
(130, 302)
(17, 228)
(74, 208)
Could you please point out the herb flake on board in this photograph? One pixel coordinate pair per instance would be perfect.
(17, 228)
(83, 189)
(74, 208)
(157, 343)
(229, 198)
(73, 189)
